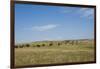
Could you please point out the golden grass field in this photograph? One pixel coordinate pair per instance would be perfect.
(54, 54)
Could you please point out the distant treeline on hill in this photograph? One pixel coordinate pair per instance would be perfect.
(54, 43)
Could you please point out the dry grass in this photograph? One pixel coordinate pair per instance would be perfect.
(54, 54)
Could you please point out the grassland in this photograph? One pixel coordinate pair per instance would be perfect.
(52, 52)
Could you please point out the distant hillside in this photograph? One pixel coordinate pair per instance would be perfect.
(54, 41)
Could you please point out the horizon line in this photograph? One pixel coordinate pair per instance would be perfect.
(54, 40)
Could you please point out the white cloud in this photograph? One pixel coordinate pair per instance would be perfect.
(87, 12)
(44, 27)
(82, 12)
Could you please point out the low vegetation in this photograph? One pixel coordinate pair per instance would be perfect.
(52, 52)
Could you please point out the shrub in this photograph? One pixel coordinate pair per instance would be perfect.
(38, 45)
(50, 44)
(43, 44)
(59, 44)
(16, 46)
(27, 45)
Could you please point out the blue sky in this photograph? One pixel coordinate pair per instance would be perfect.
(40, 22)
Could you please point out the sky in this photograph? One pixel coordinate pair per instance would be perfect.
(43, 22)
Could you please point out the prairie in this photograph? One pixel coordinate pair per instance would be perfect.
(54, 52)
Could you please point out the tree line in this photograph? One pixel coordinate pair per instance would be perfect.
(72, 42)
